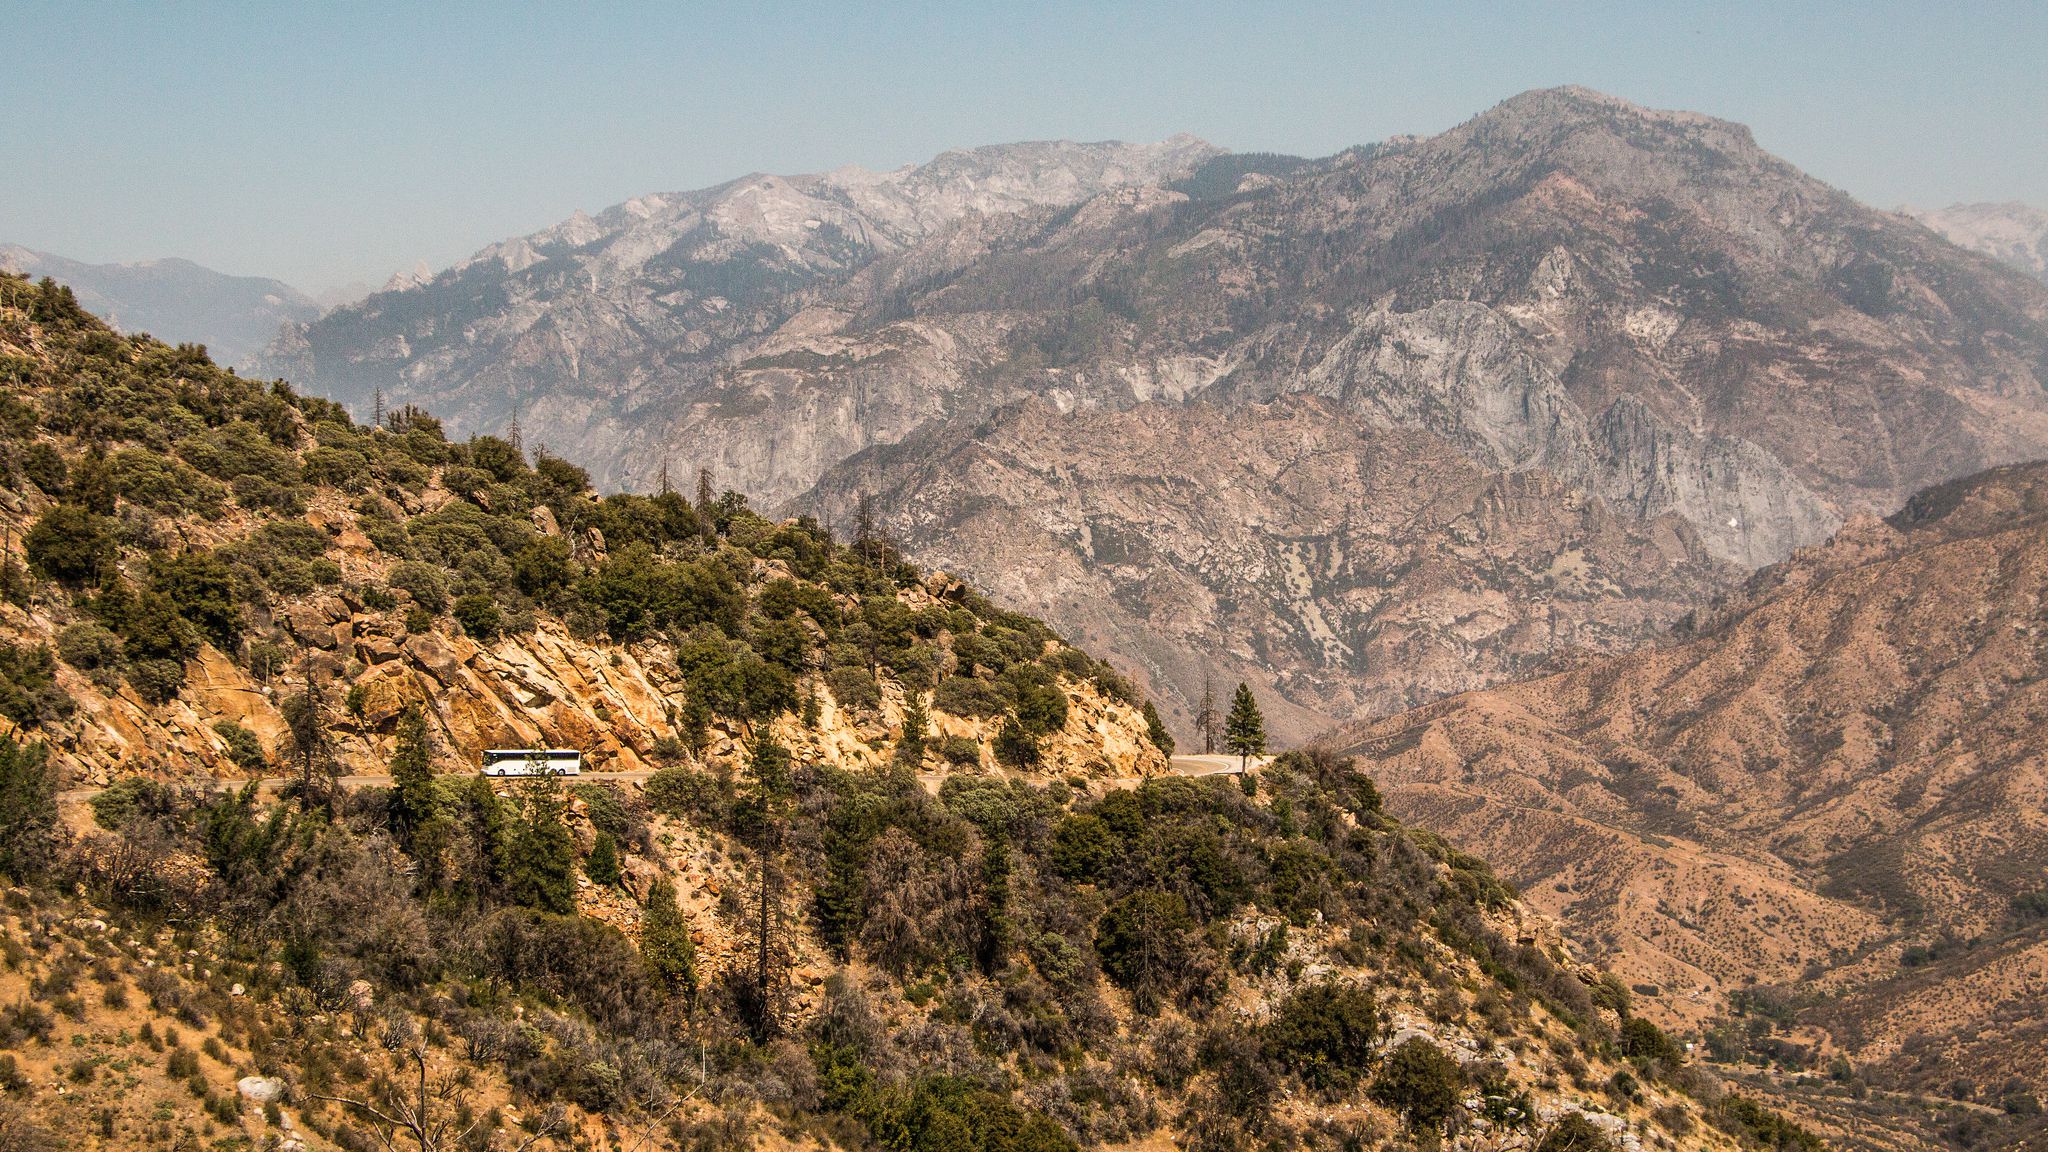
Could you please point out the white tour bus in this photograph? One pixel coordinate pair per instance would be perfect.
(533, 762)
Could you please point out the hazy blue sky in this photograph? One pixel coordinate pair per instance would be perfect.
(331, 143)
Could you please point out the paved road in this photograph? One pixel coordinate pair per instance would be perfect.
(271, 784)
(1185, 765)
(1215, 765)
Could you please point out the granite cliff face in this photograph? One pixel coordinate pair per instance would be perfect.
(1835, 789)
(1639, 312)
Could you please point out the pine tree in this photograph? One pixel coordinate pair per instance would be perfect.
(764, 812)
(603, 865)
(867, 536)
(412, 779)
(478, 841)
(916, 726)
(1205, 719)
(377, 407)
(540, 855)
(1155, 728)
(665, 942)
(305, 717)
(1244, 732)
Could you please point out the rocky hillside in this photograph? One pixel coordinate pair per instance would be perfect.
(176, 300)
(1820, 818)
(204, 551)
(2011, 232)
(876, 864)
(1712, 358)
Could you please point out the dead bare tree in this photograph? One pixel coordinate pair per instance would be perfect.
(432, 1111)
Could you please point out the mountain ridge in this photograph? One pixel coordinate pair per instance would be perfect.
(176, 299)
(1831, 783)
(1642, 306)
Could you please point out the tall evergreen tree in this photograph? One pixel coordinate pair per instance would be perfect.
(1205, 719)
(1155, 728)
(916, 726)
(28, 809)
(665, 942)
(478, 842)
(540, 855)
(412, 778)
(764, 812)
(305, 716)
(603, 865)
(1244, 732)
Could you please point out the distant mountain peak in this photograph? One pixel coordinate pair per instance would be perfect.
(175, 299)
(2009, 231)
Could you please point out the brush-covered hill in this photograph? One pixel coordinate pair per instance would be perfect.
(1817, 825)
(884, 866)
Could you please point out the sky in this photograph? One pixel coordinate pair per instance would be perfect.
(333, 144)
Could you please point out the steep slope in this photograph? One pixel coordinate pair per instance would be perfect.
(813, 926)
(2011, 232)
(1641, 309)
(214, 550)
(176, 300)
(1825, 808)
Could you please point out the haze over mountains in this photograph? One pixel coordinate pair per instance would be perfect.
(176, 300)
(1370, 429)
(2010, 232)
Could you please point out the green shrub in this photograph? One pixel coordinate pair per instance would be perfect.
(242, 745)
(1643, 1041)
(962, 751)
(1041, 705)
(1015, 746)
(683, 792)
(1421, 1082)
(1082, 848)
(854, 689)
(1150, 947)
(1327, 1033)
(969, 697)
(1573, 1132)
(69, 544)
(421, 581)
(114, 806)
(602, 866)
(28, 809)
(90, 647)
(478, 615)
(29, 692)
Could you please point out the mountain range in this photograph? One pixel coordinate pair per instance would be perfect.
(176, 300)
(1363, 430)
(2011, 232)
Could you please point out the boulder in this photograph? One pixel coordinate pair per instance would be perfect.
(261, 1089)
